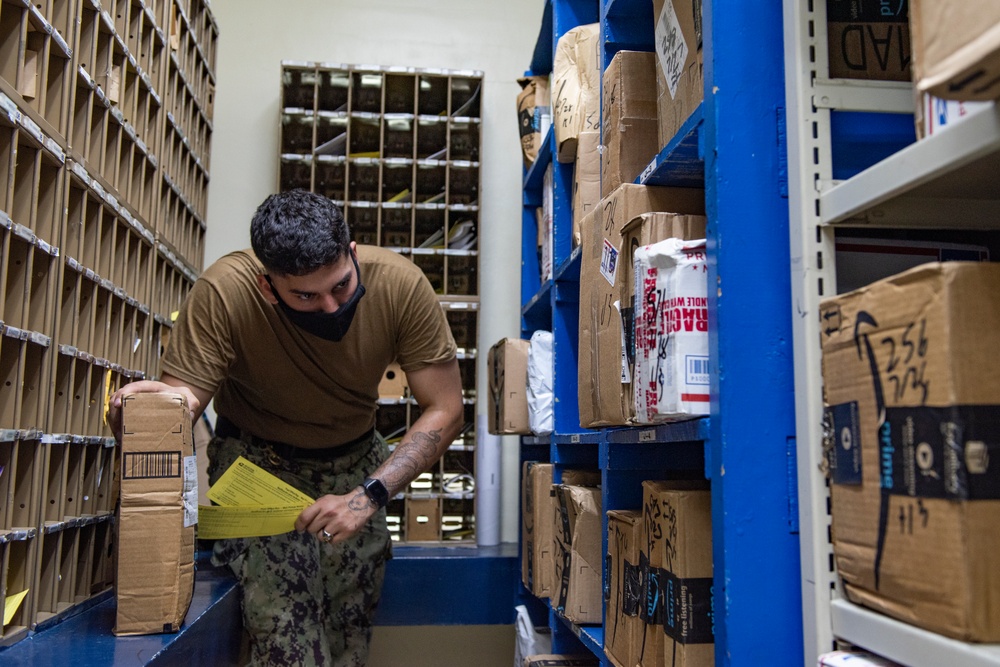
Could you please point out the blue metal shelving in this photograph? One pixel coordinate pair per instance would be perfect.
(730, 147)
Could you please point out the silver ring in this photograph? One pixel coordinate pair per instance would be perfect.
(326, 536)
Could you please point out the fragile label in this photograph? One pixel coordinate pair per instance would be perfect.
(671, 49)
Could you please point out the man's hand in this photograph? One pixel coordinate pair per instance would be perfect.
(336, 518)
(148, 387)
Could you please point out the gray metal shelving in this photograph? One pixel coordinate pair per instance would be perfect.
(951, 175)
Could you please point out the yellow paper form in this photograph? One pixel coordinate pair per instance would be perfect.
(228, 522)
(247, 484)
(251, 502)
(10, 605)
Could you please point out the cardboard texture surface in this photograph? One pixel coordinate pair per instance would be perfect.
(577, 590)
(533, 115)
(576, 87)
(868, 40)
(604, 378)
(912, 389)
(671, 366)
(956, 48)
(679, 63)
(629, 122)
(586, 178)
(677, 563)
(537, 510)
(507, 361)
(157, 515)
(623, 629)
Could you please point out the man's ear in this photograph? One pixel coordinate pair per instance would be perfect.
(265, 289)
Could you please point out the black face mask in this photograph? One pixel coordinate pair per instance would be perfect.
(328, 326)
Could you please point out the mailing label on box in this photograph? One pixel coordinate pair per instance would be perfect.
(844, 443)
(671, 49)
(609, 262)
(931, 452)
(696, 369)
(626, 373)
(190, 496)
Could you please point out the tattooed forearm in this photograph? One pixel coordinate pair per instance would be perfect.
(415, 454)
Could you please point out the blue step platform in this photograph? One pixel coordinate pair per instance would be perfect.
(424, 586)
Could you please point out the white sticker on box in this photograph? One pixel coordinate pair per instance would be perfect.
(190, 496)
(609, 262)
(671, 49)
(626, 374)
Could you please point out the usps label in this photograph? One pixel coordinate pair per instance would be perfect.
(609, 262)
(671, 49)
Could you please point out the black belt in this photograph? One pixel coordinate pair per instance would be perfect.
(227, 429)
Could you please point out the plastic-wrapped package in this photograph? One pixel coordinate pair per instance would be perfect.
(541, 369)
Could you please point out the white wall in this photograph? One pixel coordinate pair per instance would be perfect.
(495, 37)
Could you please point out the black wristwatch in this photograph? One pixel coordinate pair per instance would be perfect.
(376, 491)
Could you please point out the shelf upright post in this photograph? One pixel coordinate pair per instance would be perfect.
(812, 268)
(751, 432)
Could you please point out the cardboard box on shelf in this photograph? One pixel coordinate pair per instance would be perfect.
(604, 376)
(537, 510)
(507, 361)
(629, 124)
(868, 40)
(679, 62)
(677, 582)
(423, 519)
(157, 515)
(577, 592)
(576, 87)
(559, 660)
(586, 177)
(911, 381)
(956, 48)
(623, 629)
(863, 260)
(534, 115)
(672, 374)
(934, 114)
(545, 225)
(856, 658)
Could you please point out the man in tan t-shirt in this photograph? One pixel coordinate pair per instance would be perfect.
(292, 340)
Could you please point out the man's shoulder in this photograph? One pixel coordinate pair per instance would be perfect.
(236, 265)
(380, 261)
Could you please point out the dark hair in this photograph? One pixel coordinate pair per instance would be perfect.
(297, 232)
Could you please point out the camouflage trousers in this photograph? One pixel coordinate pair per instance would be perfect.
(306, 602)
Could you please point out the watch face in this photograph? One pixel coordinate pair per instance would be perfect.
(376, 490)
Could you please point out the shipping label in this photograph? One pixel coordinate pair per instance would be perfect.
(151, 465)
(609, 262)
(671, 49)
